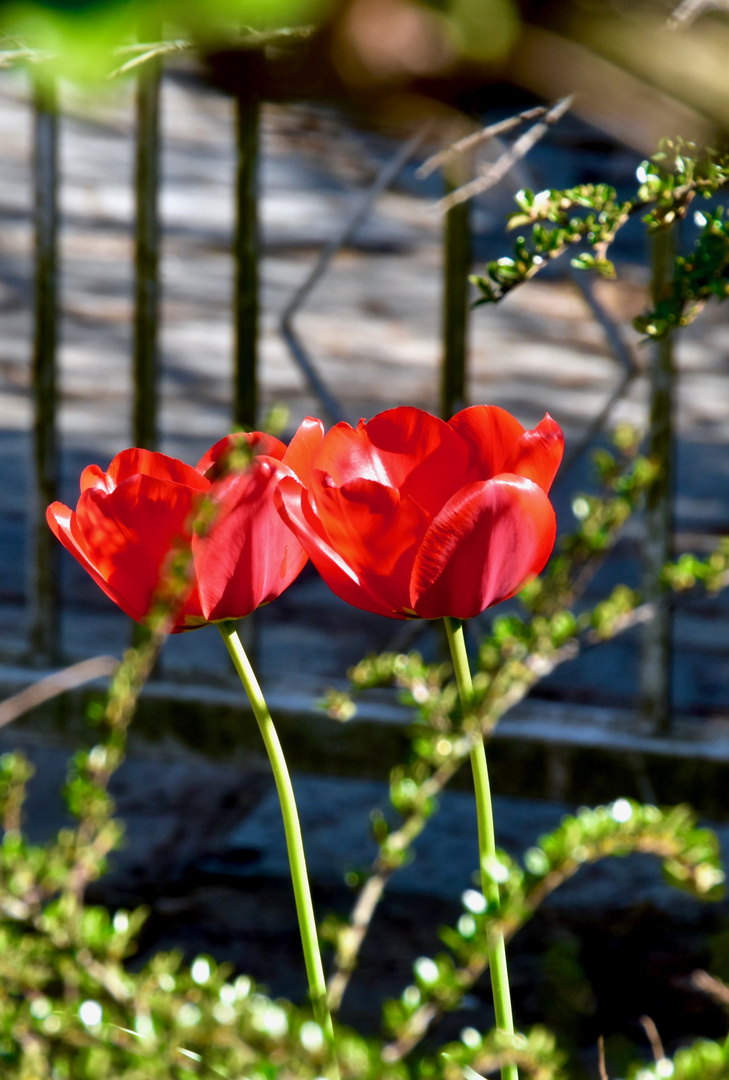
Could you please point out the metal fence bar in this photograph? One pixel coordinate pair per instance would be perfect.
(246, 252)
(655, 661)
(457, 261)
(146, 260)
(43, 548)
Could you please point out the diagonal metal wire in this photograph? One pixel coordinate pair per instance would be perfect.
(387, 174)
(620, 351)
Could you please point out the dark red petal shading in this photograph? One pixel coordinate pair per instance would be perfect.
(250, 555)
(213, 463)
(537, 454)
(293, 504)
(489, 540)
(130, 532)
(489, 433)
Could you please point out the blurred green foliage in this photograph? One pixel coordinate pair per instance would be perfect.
(87, 40)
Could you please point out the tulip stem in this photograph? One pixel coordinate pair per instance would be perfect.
(486, 840)
(294, 842)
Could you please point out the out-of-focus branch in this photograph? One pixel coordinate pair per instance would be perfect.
(69, 678)
(689, 10)
(717, 990)
(148, 51)
(474, 139)
(519, 149)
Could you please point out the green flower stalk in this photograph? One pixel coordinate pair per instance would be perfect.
(486, 840)
(294, 842)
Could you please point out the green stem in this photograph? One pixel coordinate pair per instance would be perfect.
(292, 828)
(486, 839)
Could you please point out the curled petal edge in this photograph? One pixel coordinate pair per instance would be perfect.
(62, 522)
(486, 544)
(293, 505)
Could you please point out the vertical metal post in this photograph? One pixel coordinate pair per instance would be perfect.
(457, 260)
(43, 547)
(246, 252)
(655, 664)
(146, 262)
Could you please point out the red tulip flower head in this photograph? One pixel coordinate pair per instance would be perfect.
(130, 520)
(408, 515)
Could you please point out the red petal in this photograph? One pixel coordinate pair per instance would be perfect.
(214, 460)
(377, 533)
(94, 476)
(537, 454)
(134, 462)
(64, 525)
(129, 533)
(293, 504)
(303, 449)
(250, 555)
(486, 544)
(490, 433)
(402, 448)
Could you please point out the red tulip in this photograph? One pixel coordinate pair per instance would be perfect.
(130, 520)
(408, 515)
(250, 556)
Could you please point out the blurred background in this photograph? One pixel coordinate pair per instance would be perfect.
(208, 212)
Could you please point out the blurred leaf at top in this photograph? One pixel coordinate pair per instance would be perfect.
(372, 41)
(85, 40)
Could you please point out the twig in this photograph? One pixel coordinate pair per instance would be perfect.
(476, 137)
(717, 990)
(653, 1037)
(262, 38)
(601, 1058)
(253, 39)
(689, 10)
(519, 149)
(149, 52)
(8, 57)
(637, 617)
(468, 975)
(371, 892)
(537, 667)
(57, 683)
